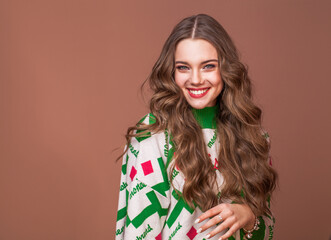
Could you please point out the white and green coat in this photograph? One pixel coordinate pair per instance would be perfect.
(149, 207)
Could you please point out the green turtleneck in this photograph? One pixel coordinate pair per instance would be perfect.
(206, 116)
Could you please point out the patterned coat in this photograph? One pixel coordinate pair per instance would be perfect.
(149, 207)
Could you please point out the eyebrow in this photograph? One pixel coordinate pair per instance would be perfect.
(210, 60)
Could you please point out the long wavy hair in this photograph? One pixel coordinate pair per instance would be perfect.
(244, 151)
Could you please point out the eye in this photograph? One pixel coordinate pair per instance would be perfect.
(210, 66)
(182, 67)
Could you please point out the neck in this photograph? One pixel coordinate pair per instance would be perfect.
(206, 117)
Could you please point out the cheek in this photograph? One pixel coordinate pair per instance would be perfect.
(219, 82)
(180, 79)
(215, 79)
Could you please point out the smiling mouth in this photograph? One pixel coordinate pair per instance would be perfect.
(197, 93)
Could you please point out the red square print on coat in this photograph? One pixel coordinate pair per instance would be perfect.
(158, 237)
(147, 167)
(192, 233)
(133, 173)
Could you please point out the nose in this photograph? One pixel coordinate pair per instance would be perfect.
(196, 78)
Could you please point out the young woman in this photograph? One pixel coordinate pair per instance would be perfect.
(197, 166)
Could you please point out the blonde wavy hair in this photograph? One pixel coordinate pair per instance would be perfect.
(244, 150)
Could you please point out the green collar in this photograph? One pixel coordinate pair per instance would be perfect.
(206, 117)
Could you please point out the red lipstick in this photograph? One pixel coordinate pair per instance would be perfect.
(197, 92)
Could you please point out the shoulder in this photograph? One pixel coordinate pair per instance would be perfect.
(265, 134)
(143, 136)
(148, 119)
(267, 137)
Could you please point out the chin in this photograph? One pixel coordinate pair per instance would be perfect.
(198, 106)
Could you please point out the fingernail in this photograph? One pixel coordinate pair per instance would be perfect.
(197, 221)
(199, 230)
(220, 238)
(207, 236)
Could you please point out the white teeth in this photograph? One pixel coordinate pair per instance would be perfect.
(197, 92)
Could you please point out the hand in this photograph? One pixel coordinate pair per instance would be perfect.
(234, 217)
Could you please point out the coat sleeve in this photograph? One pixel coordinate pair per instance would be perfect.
(266, 226)
(144, 191)
(265, 230)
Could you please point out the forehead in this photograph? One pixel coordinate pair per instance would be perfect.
(195, 50)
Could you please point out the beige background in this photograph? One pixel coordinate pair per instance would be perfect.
(69, 78)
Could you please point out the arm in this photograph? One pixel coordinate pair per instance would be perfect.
(143, 199)
(235, 217)
(266, 226)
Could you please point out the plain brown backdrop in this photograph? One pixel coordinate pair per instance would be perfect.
(69, 78)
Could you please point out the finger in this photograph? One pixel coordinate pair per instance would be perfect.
(215, 220)
(230, 232)
(223, 226)
(210, 213)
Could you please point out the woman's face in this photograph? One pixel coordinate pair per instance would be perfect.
(197, 72)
